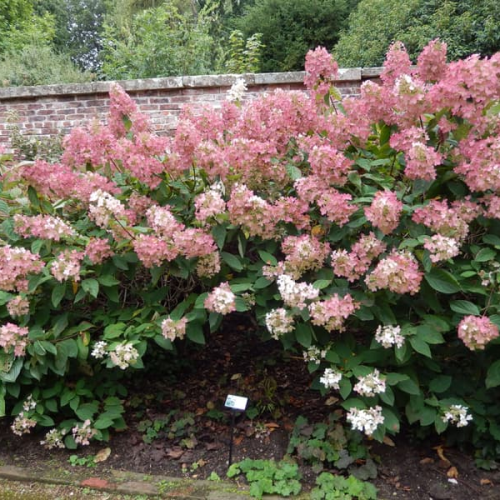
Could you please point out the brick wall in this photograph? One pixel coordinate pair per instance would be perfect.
(49, 110)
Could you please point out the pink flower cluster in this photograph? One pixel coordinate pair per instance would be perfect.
(208, 265)
(398, 272)
(67, 265)
(98, 250)
(15, 265)
(83, 433)
(352, 265)
(332, 313)
(321, 71)
(18, 306)
(442, 247)
(221, 300)
(385, 211)
(42, 226)
(303, 253)
(14, 337)
(172, 329)
(451, 221)
(209, 204)
(296, 294)
(476, 332)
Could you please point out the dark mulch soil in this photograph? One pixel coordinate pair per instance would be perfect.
(236, 362)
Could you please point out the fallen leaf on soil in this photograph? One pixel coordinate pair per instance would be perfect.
(236, 376)
(272, 425)
(175, 453)
(213, 446)
(452, 472)
(388, 441)
(331, 401)
(103, 455)
(238, 440)
(440, 452)
(95, 482)
(485, 482)
(427, 460)
(200, 411)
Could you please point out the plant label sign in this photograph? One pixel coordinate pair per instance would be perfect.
(236, 402)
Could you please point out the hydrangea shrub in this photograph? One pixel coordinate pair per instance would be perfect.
(363, 232)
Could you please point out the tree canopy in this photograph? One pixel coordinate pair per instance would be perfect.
(466, 27)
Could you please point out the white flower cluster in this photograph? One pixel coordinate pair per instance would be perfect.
(442, 248)
(53, 439)
(331, 379)
(124, 355)
(295, 294)
(237, 90)
(172, 329)
(371, 384)
(103, 206)
(314, 354)
(99, 350)
(457, 414)
(29, 403)
(365, 421)
(22, 423)
(82, 433)
(278, 322)
(389, 336)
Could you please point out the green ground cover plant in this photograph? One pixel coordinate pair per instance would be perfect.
(361, 234)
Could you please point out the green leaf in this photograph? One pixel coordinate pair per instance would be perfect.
(321, 284)
(114, 331)
(103, 423)
(86, 411)
(267, 258)
(442, 281)
(58, 293)
(420, 346)
(303, 334)
(194, 332)
(232, 261)
(409, 386)
(261, 283)
(493, 375)
(13, 373)
(108, 280)
(219, 234)
(440, 384)
(485, 254)
(464, 307)
(91, 286)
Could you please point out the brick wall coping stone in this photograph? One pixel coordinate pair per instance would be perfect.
(178, 82)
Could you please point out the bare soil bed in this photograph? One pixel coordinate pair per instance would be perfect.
(177, 425)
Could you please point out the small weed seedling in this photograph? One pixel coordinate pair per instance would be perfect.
(330, 487)
(75, 460)
(268, 477)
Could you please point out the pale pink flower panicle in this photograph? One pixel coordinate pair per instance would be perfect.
(16, 264)
(83, 433)
(18, 306)
(67, 265)
(431, 63)
(304, 253)
(398, 272)
(15, 338)
(477, 331)
(441, 247)
(332, 313)
(42, 226)
(321, 71)
(172, 329)
(98, 250)
(396, 64)
(385, 211)
(221, 300)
